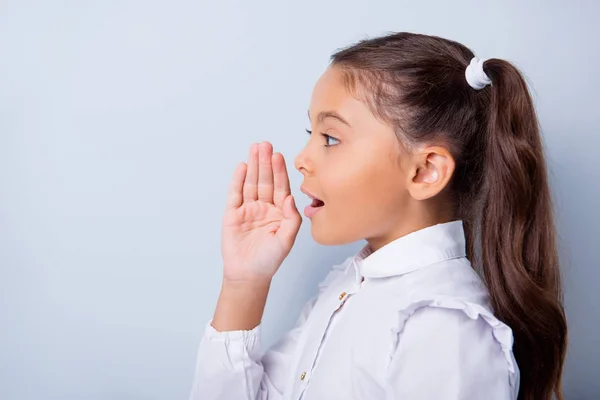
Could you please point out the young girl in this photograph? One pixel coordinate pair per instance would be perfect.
(434, 157)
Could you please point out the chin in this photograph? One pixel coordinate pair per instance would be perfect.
(328, 237)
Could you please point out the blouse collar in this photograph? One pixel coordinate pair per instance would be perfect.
(413, 251)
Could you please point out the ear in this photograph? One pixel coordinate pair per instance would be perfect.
(431, 170)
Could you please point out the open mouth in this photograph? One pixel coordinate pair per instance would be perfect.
(317, 203)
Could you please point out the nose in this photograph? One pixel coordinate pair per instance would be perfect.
(303, 163)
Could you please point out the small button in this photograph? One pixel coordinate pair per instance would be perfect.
(342, 295)
(303, 376)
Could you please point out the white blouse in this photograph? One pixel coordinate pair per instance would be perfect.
(418, 327)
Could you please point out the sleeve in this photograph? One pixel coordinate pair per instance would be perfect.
(229, 364)
(452, 353)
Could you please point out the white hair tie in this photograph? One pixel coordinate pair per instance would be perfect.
(475, 75)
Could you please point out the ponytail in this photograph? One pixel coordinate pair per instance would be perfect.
(518, 242)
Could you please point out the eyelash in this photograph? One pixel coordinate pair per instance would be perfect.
(326, 136)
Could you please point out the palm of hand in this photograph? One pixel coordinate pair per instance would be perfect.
(261, 220)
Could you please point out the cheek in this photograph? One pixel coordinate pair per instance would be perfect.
(360, 200)
(345, 186)
(361, 185)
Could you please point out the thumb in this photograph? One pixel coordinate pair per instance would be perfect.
(291, 221)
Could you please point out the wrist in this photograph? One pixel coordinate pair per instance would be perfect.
(245, 294)
(241, 304)
(258, 284)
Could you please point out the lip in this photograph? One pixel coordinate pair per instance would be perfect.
(309, 194)
(309, 210)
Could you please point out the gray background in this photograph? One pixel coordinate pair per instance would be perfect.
(121, 123)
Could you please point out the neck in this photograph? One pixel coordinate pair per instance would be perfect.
(417, 217)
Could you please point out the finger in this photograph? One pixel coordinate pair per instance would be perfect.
(281, 180)
(251, 180)
(265, 173)
(234, 196)
(290, 224)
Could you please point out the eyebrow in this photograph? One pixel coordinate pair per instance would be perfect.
(330, 114)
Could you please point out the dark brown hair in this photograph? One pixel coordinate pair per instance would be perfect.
(416, 83)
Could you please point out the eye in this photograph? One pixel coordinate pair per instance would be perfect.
(327, 137)
(328, 140)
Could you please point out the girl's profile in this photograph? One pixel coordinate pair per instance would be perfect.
(434, 157)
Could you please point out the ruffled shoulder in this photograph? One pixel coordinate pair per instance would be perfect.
(502, 333)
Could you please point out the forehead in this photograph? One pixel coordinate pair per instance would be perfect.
(330, 94)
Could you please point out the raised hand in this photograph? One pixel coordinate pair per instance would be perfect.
(261, 220)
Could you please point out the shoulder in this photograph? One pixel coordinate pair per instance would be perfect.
(445, 309)
(465, 333)
(454, 314)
